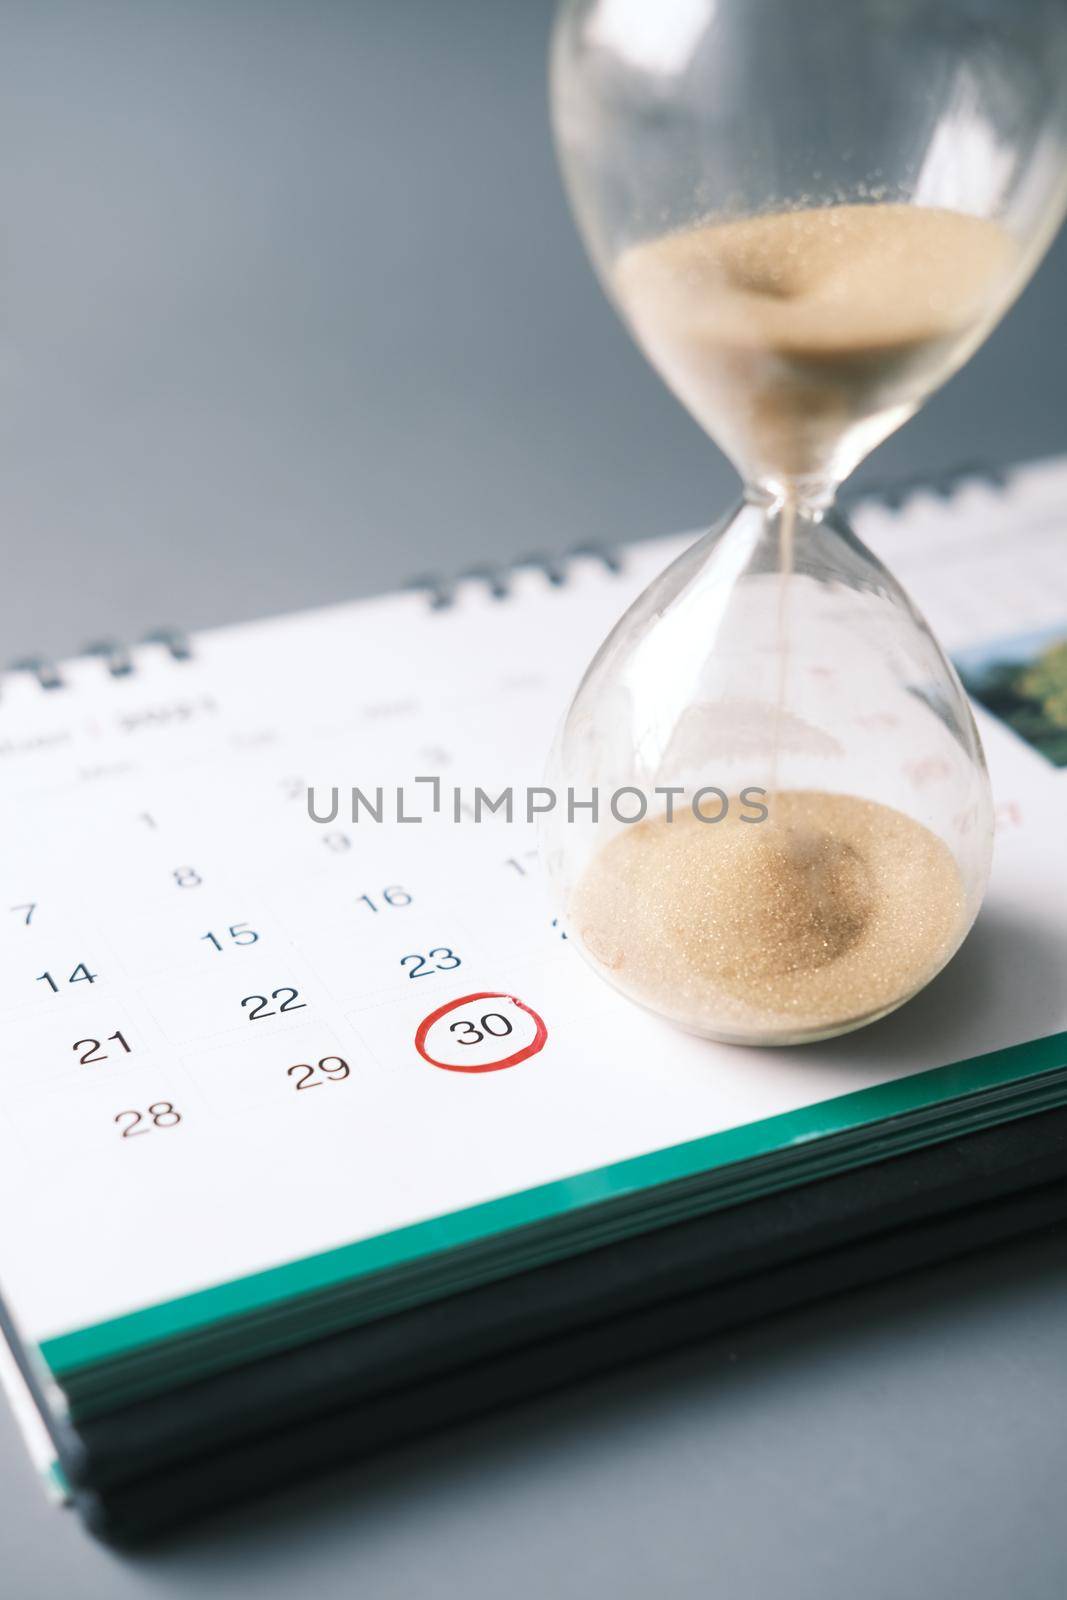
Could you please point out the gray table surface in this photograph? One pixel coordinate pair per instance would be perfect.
(291, 309)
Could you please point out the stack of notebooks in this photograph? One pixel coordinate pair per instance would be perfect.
(277, 1216)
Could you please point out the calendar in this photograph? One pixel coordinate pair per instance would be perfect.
(269, 1046)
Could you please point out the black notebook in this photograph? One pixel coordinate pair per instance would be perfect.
(317, 1133)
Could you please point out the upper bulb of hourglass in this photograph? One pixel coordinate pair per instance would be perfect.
(801, 338)
(763, 866)
(809, 215)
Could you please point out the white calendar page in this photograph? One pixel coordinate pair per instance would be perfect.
(220, 1053)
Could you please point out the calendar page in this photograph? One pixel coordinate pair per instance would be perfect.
(238, 1038)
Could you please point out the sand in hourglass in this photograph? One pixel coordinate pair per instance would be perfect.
(831, 911)
(800, 339)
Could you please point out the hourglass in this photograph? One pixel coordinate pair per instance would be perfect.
(810, 213)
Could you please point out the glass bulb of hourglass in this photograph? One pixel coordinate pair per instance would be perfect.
(800, 339)
(809, 216)
(828, 841)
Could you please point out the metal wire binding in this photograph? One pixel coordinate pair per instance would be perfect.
(173, 640)
(895, 495)
(45, 671)
(441, 592)
(115, 656)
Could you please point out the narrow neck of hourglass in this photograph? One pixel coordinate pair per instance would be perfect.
(805, 495)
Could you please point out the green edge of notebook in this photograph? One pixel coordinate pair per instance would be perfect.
(68, 1353)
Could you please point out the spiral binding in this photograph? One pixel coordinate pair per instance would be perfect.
(498, 580)
(442, 593)
(115, 656)
(894, 495)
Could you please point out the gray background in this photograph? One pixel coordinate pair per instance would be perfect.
(292, 309)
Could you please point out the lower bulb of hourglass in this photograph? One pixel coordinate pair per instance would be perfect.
(791, 823)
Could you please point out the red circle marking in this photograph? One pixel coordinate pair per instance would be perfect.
(540, 1034)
